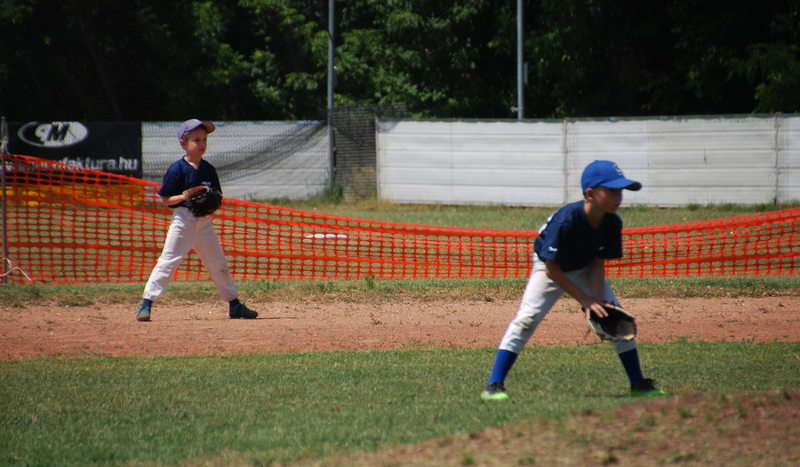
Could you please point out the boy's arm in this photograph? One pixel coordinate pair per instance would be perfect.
(597, 277)
(588, 302)
(175, 199)
(168, 201)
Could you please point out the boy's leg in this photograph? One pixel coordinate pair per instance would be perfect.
(211, 253)
(538, 298)
(213, 257)
(177, 245)
(629, 356)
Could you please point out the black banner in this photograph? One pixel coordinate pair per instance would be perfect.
(109, 147)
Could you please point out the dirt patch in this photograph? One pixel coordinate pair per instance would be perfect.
(736, 430)
(180, 328)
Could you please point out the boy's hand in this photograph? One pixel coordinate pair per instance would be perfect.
(593, 305)
(189, 192)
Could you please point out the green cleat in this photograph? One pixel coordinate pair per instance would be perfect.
(143, 313)
(646, 388)
(494, 392)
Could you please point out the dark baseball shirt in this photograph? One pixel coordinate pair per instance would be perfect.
(181, 176)
(569, 240)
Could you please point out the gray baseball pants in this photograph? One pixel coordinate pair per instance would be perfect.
(540, 295)
(186, 232)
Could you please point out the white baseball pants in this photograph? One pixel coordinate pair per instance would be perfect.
(540, 295)
(186, 232)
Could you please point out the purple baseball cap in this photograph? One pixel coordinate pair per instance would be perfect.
(190, 125)
(606, 174)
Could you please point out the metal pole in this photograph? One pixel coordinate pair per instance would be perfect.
(520, 65)
(778, 143)
(331, 70)
(3, 150)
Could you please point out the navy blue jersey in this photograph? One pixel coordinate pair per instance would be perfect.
(181, 176)
(569, 240)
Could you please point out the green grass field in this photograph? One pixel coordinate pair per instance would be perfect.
(262, 409)
(515, 218)
(283, 407)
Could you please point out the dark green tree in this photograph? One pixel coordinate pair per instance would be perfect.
(267, 59)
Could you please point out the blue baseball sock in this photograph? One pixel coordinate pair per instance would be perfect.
(630, 360)
(147, 302)
(502, 365)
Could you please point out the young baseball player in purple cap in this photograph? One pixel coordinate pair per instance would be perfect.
(570, 255)
(187, 232)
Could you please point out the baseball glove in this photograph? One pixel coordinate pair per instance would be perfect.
(618, 326)
(203, 200)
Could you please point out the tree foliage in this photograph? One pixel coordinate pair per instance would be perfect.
(267, 59)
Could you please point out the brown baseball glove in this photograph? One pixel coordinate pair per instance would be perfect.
(618, 326)
(203, 200)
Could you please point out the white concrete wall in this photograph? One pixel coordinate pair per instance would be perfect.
(461, 162)
(789, 160)
(680, 161)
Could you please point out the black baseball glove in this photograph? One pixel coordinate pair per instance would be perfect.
(618, 326)
(203, 200)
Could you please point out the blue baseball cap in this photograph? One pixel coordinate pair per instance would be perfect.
(607, 174)
(190, 125)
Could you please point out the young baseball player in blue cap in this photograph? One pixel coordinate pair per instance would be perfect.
(186, 231)
(570, 255)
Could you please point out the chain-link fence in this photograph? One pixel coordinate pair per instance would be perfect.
(355, 153)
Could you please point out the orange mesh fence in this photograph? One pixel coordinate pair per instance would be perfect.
(68, 224)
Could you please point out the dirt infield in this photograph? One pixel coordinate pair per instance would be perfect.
(181, 328)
